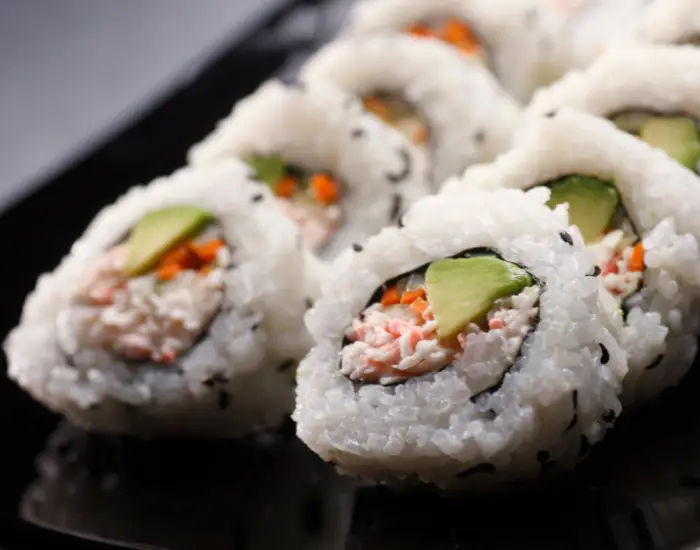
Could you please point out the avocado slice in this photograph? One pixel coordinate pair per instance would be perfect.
(592, 203)
(631, 121)
(158, 231)
(269, 168)
(463, 290)
(678, 136)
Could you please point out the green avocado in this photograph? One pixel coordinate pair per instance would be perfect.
(463, 290)
(158, 231)
(678, 136)
(269, 168)
(592, 203)
(631, 122)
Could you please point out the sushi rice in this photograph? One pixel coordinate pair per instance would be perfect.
(557, 395)
(469, 117)
(659, 327)
(319, 128)
(75, 349)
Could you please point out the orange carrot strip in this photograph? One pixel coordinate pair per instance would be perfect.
(377, 107)
(418, 30)
(286, 187)
(419, 305)
(390, 296)
(167, 272)
(411, 295)
(636, 261)
(180, 255)
(206, 252)
(325, 189)
(455, 31)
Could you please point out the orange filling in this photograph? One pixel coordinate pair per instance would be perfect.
(188, 255)
(452, 31)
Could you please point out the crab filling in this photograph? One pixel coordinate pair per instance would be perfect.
(676, 134)
(399, 113)
(471, 313)
(310, 199)
(595, 208)
(151, 296)
(453, 31)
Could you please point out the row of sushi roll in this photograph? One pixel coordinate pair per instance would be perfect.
(457, 288)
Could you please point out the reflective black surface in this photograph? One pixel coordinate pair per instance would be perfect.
(59, 487)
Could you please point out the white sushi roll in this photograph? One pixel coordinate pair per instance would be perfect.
(177, 312)
(339, 173)
(518, 39)
(637, 210)
(474, 353)
(450, 106)
(624, 86)
(668, 22)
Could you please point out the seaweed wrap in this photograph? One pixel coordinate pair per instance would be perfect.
(623, 85)
(337, 172)
(177, 312)
(473, 354)
(449, 106)
(518, 40)
(636, 211)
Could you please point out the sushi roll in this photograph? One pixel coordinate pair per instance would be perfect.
(636, 210)
(449, 106)
(337, 172)
(475, 353)
(668, 22)
(516, 39)
(177, 312)
(624, 86)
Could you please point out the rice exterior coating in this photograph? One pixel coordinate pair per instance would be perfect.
(230, 381)
(318, 127)
(521, 38)
(470, 117)
(667, 22)
(434, 427)
(657, 326)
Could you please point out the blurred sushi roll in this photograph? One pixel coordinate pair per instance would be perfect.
(668, 22)
(519, 40)
(476, 352)
(177, 312)
(449, 106)
(624, 86)
(637, 211)
(337, 172)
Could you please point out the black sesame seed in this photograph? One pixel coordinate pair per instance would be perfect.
(655, 363)
(574, 399)
(215, 378)
(223, 399)
(566, 237)
(609, 416)
(253, 176)
(257, 197)
(485, 468)
(571, 423)
(604, 354)
(596, 272)
(357, 247)
(585, 446)
(400, 222)
(574, 418)
(405, 168)
(480, 136)
(308, 302)
(357, 133)
(396, 203)
(255, 326)
(550, 114)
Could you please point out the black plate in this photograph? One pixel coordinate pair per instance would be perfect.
(640, 489)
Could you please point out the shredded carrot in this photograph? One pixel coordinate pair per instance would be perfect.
(286, 187)
(411, 295)
(418, 30)
(376, 106)
(182, 255)
(206, 252)
(636, 261)
(167, 272)
(325, 188)
(419, 305)
(390, 297)
(455, 31)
